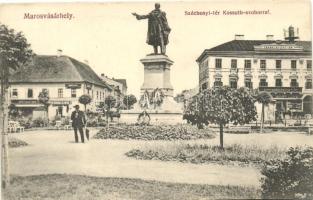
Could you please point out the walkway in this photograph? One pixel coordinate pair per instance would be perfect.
(54, 152)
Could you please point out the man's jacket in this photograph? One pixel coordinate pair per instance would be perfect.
(78, 119)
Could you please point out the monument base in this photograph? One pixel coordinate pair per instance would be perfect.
(156, 117)
(156, 94)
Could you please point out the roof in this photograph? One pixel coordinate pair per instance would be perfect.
(248, 45)
(123, 81)
(46, 69)
(111, 82)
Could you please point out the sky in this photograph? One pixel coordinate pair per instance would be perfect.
(113, 41)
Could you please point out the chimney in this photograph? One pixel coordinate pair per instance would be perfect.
(269, 37)
(59, 52)
(239, 37)
(86, 62)
(102, 75)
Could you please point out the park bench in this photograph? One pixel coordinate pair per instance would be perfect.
(14, 126)
(238, 130)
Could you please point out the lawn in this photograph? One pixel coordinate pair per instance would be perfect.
(198, 153)
(73, 187)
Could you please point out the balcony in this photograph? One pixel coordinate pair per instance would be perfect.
(233, 72)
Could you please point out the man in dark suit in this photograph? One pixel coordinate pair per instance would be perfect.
(78, 122)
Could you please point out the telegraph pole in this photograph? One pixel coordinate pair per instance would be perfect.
(4, 122)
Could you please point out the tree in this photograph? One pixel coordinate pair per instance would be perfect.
(264, 98)
(129, 100)
(14, 53)
(85, 99)
(43, 98)
(109, 103)
(222, 105)
(13, 112)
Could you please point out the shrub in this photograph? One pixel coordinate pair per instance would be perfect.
(289, 178)
(14, 142)
(157, 132)
(39, 122)
(25, 122)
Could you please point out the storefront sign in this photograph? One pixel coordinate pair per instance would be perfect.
(60, 103)
(278, 47)
(281, 89)
(25, 102)
(294, 106)
(73, 85)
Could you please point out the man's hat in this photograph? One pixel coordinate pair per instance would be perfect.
(76, 106)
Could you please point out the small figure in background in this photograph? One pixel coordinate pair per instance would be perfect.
(78, 122)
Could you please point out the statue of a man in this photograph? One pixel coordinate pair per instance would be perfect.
(158, 29)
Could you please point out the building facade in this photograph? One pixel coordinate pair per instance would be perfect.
(280, 67)
(118, 86)
(65, 79)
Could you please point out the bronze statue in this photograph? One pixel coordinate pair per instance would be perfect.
(158, 29)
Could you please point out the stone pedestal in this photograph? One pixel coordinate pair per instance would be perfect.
(157, 70)
(157, 74)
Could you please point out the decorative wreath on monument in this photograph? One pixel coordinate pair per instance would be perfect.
(157, 97)
(145, 100)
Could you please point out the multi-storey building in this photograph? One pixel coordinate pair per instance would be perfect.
(119, 86)
(65, 78)
(281, 67)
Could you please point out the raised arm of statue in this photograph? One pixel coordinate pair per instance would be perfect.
(139, 17)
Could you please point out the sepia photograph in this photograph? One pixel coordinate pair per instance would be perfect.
(169, 100)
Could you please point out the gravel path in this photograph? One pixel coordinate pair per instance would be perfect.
(55, 152)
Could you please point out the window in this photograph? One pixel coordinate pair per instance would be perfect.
(293, 64)
(60, 93)
(233, 63)
(248, 83)
(247, 64)
(233, 83)
(309, 65)
(218, 82)
(263, 64)
(14, 93)
(263, 83)
(218, 63)
(97, 94)
(73, 93)
(278, 64)
(30, 93)
(278, 83)
(308, 84)
(294, 83)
